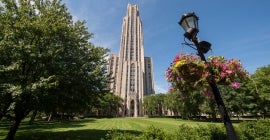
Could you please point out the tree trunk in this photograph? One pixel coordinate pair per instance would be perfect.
(1, 116)
(31, 121)
(13, 129)
(214, 116)
(49, 118)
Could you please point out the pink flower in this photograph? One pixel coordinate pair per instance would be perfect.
(224, 67)
(170, 88)
(235, 84)
(223, 74)
(229, 71)
(217, 64)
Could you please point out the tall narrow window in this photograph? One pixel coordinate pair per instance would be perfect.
(132, 52)
(132, 78)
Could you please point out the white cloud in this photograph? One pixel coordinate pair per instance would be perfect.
(161, 88)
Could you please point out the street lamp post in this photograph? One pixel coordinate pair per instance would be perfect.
(189, 22)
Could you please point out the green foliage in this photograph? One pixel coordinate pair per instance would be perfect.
(115, 134)
(153, 104)
(109, 105)
(217, 132)
(260, 82)
(154, 133)
(209, 132)
(255, 130)
(234, 99)
(186, 133)
(188, 106)
(191, 104)
(210, 107)
(171, 101)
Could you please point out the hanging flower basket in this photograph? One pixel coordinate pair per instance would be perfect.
(188, 72)
(185, 72)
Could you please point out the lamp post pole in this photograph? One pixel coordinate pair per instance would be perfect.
(220, 104)
(189, 22)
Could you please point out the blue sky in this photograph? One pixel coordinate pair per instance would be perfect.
(236, 29)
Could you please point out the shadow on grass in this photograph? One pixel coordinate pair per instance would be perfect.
(87, 134)
(24, 126)
(217, 120)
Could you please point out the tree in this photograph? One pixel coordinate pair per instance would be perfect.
(109, 105)
(252, 99)
(149, 105)
(191, 103)
(261, 79)
(209, 107)
(154, 104)
(173, 102)
(46, 61)
(160, 106)
(234, 99)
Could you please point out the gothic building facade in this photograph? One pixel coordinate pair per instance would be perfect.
(131, 71)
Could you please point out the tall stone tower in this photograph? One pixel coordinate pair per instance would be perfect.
(132, 72)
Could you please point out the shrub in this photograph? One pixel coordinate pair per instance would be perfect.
(115, 134)
(217, 132)
(153, 133)
(185, 132)
(209, 132)
(250, 130)
(255, 130)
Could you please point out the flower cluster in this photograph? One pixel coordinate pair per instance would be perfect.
(188, 71)
(227, 72)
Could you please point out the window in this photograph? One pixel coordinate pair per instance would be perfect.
(132, 78)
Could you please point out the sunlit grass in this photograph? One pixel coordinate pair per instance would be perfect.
(93, 128)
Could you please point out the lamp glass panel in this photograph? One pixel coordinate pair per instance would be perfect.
(192, 22)
(184, 25)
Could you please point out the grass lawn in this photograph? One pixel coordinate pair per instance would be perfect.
(92, 129)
